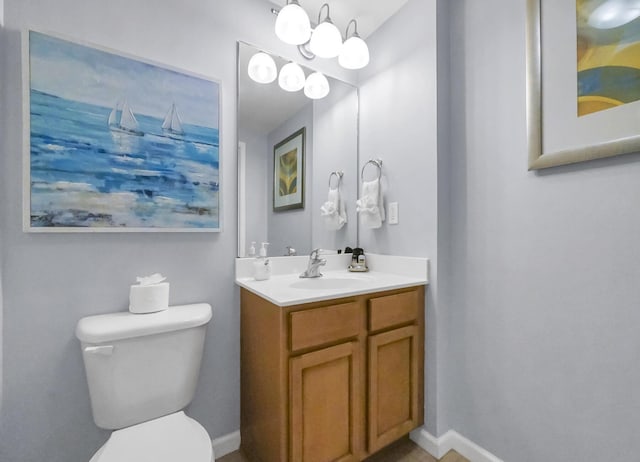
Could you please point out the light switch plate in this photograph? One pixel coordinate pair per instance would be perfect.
(393, 213)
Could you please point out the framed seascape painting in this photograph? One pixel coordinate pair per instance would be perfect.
(114, 143)
(583, 80)
(288, 172)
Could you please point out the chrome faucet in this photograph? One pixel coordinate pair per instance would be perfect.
(291, 251)
(315, 262)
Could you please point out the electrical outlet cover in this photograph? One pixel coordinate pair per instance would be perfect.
(393, 213)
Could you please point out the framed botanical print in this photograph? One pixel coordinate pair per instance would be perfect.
(288, 172)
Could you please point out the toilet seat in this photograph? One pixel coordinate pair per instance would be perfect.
(172, 438)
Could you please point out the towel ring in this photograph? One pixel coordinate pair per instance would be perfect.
(377, 163)
(339, 174)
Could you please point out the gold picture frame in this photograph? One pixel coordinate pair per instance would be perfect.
(288, 172)
(538, 157)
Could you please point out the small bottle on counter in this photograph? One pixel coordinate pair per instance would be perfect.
(262, 265)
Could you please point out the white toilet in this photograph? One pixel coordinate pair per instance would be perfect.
(142, 370)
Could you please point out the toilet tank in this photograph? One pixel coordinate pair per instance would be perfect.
(142, 366)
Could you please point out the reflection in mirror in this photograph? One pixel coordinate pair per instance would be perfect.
(267, 117)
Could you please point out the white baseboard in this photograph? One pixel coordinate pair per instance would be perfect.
(426, 441)
(438, 447)
(226, 444)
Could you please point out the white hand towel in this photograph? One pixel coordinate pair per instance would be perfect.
(333, 211)
(370, 206)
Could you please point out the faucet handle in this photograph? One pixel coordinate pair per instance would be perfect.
(315, 254)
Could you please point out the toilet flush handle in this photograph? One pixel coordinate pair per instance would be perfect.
(102, 350)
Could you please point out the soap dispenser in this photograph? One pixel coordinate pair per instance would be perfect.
(252, 249)
(262, 265)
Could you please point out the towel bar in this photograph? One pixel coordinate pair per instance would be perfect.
(339, 174)
(377, 163)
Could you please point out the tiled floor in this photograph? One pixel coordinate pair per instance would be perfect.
(403, 451)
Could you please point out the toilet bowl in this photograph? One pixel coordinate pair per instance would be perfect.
(171, 438)
(142, 371)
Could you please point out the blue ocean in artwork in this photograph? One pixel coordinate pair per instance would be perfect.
(99, 160)
(84, 174)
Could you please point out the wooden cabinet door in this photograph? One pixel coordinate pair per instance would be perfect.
(325, 416)
(393, 385)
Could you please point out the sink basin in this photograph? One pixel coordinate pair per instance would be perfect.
(330, 283)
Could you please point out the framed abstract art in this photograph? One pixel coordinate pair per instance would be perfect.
(583, 80)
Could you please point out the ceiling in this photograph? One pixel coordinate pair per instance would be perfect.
(370, 14)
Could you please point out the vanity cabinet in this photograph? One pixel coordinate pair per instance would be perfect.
(324, 418)
(395, 367)
(327, 381)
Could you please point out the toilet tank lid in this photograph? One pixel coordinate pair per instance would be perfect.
(123, 325)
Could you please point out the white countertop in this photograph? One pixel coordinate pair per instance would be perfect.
(286, 288)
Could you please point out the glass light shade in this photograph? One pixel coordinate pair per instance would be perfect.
(354, 53)
(262, 68)
(316, 86)
(292, 25)
(291, 77)
(326, 40)
(614, 13)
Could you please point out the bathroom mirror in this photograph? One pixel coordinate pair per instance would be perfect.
(317, 137)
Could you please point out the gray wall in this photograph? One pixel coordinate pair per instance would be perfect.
(291, 227)
(398, 123)
(3, 192)
(542, 341)
(54, 280)
(335, 147)
(446, 284)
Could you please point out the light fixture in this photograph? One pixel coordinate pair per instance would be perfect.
(354, 53)
(262, 68)
(291, 77)
(316, 86)
(292, 24)
(326, 40)
(614, 13)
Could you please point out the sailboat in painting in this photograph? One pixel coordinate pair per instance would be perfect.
(122, 120)
(172, 123)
